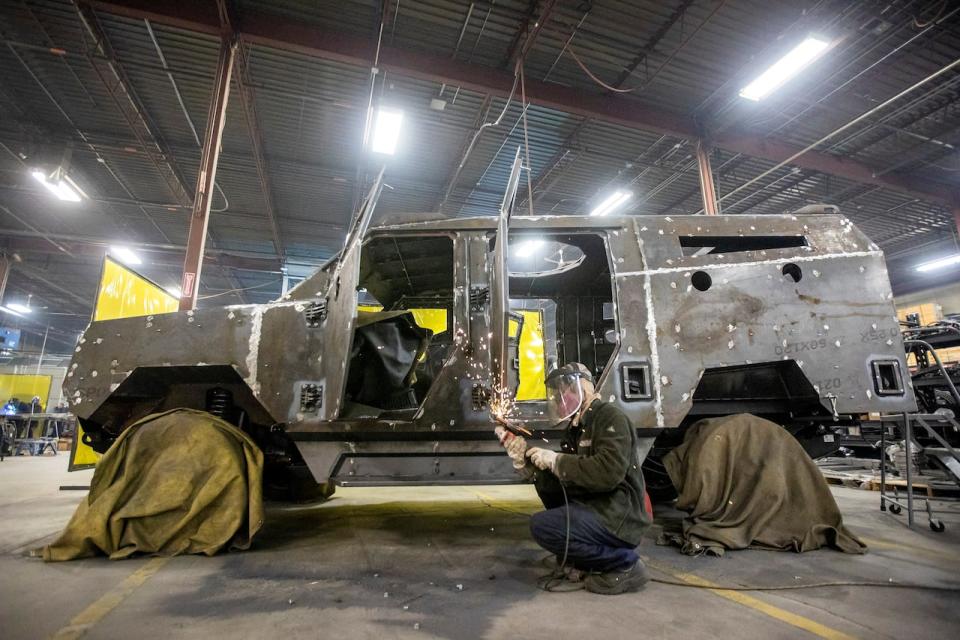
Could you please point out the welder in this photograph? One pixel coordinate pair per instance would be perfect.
(596, 506)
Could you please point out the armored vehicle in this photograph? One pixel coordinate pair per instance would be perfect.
(391, 363)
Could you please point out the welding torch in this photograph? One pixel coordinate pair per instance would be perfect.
(513, 427)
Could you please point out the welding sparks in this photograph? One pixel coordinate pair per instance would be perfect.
(503, 407)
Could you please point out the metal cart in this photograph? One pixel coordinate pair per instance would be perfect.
(947, 454)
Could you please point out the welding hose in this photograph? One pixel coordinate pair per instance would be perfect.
(577, 586)
(812, 585)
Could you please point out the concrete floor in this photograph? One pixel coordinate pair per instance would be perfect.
(450, 563)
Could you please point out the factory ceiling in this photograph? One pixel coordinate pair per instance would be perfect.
(614, 94)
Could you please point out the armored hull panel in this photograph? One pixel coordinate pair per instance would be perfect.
(680, 317)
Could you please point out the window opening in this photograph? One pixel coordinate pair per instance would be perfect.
(694, 246)
(561, 284)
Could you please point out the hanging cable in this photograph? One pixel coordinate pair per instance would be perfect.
(526, 139)
(936, 17)
(476, 135)
(226, 203)
(239, 290)
(513, 89)
(663, 64)
(555, 579)
(600, 82)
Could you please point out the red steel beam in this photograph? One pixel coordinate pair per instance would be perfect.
(200, 219)
(707, 189)
(778, 151)
(279, 32)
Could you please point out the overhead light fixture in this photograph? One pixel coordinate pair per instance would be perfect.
(386, 131)
(798, 59)
(59, 184)
(612, 202)
(19, 308)
(528, 248)
(940, 263)
(125, 255)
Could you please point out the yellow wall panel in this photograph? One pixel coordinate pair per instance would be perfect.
(433, 319)
(24, 387)
(126, 294)
(122, 293)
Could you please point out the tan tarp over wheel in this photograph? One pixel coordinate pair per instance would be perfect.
(178, 482)
(746, 482)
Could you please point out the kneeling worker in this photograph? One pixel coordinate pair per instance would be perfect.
(599, 467)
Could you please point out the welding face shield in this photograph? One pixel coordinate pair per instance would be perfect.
(564, 392)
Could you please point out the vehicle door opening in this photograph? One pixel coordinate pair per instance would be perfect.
(403, 333)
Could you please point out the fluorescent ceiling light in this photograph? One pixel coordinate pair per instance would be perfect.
(611, 203)
(785, 68)
(6, 309)
(525, 249)
(940, 264)
(386, 131)
(125, 255)
(19, 308)
(61, 186)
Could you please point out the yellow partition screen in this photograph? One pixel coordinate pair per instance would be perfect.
(532, 360)
(530, 349)
(24, 387)
(433, 319)
(126, 294)
(123, 293)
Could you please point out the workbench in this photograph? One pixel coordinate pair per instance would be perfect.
(34, 433)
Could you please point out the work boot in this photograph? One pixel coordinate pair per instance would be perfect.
(612, 583)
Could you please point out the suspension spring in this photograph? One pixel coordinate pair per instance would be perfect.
(219, 402)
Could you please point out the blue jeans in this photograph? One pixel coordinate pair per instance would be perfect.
(591, 548)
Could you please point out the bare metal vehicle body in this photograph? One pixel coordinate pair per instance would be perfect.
(682, 317)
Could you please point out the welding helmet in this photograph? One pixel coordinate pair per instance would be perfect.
(564, 393)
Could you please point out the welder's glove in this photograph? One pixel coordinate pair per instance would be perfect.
(543, 459)
(516, 446)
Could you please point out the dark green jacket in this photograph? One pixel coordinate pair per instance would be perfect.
(600, 469)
